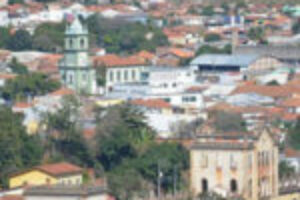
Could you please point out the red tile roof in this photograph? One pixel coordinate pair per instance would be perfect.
(62, 92)
(151, 103)
(272, 91)
(60, 169)
(89, 133)
(291, 153)
(12, 197)
(22, 105)
(7, 76)
(291, 102)
(181, 53)
(145, 55)
(111, 60)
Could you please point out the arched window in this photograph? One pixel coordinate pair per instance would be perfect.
(233, 186)
(82, 43)
(71, 43)
(204, 184)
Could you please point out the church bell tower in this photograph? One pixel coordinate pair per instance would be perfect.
(75, 68)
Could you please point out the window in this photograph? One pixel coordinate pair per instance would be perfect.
(219, 164)
(204, 184)
(82, 43)
(232, 162)
(118, 76)
(70, 79)
(125, 75)
(71, 43)
(84, 77)
(111, 76)
(204, 161)
(249, 161)
(133, 74)
(233, 186)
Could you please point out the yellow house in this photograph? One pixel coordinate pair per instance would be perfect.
(50, 174)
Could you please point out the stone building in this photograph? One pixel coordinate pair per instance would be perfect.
(75, 67)
(235, 165)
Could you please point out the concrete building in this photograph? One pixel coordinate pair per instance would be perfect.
(235, 164)
(247, 63)
(75, 68)
(286, 54)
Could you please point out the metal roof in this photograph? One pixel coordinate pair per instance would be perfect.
(223, 60)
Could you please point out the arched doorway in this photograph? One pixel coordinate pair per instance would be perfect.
(204, 184)
(233, 186)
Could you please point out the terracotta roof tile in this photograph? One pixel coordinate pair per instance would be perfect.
(59, 169)
(111, 60)
(7, 76)
(151, 103)
(181, 53)
(292, 153)
(272, 91)
(145, 55)
(62, 92)
(22, 105)
(12, 197)
(89, 133)
(291, 102)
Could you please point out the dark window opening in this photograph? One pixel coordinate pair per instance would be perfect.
(233, 185)
(204, 186)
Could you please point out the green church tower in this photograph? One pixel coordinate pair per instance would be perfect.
(75, 68)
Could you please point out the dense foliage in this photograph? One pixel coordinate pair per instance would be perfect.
(206, 49)
(17, 68)
(18, 150)
(49, 36)
(212, 37)
(32, 84)
(294, 135)
(120, 36)
(126, 147)
(228, 122)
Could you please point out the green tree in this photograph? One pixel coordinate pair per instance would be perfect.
(206, 49)
(127, 183)
(28, 84)
(256, 34)
(18, 150)
(286, 170)
(227, 122)
(119, 36)
(169, 157)
(49, 36)
(212, 37)
(64, 137)
(17, 67)
(4, 36)
(294, 135)
(10, 2)
(20, 41)
(296, 27)
(208, 11)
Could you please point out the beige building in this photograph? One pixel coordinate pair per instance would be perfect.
(235, 164)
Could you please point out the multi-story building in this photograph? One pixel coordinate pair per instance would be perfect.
(235, 164)
(75, 68)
